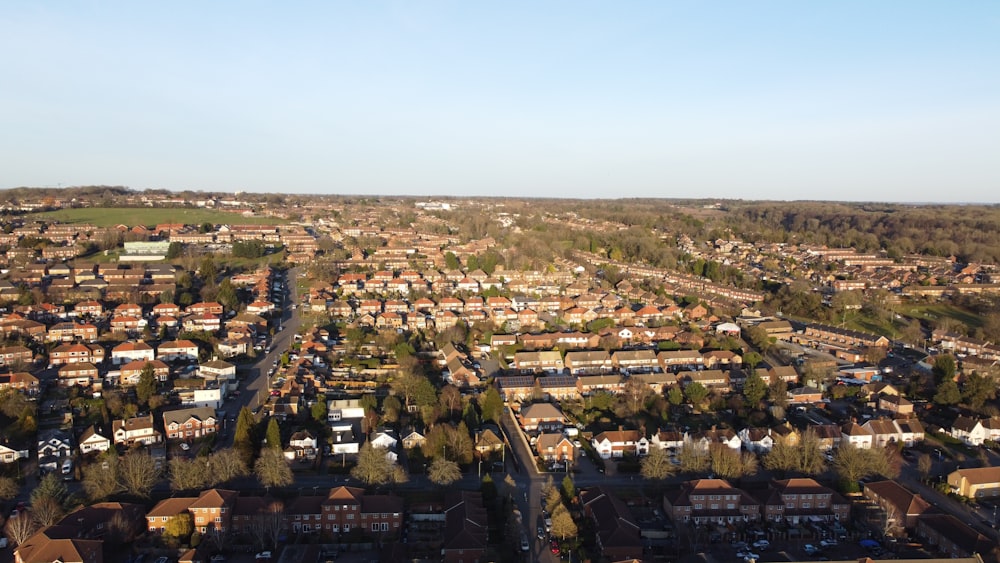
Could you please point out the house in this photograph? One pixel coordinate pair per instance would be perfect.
(92, 441)
(795, 500)
(488, 440)
(895, 404)
(910, 431)
(757, 440)
(900, 505)
(343, 441)
(132, 351)
(704, 501)
(177, 350)
(805, 396)
(667, 440)
(618, 443)
(539, 415)
(384, 439)
(414, 439)
(828, 435)
(10, 455)
(532, 362)
(20, 380)
(558, 387)
(344, 409)
(883, 431)
(54, 444)
(82, 374)
(302, 446)
(76, 353)
(617, 533)
(586, 362)
(136, 430)
(854, 434)
(969, 430)
(516, 388)
(952, 536)
(217, 370)
(131, 373)
(553, 446)
(10, 355)
(187, 424)
(346, 508)
(213, 510)
(979, 482)
(465, 528)
(59, 543)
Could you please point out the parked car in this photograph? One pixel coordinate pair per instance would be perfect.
(263, 555)
(810, 549)
(828, 543)
(525, 546)
(762, 544)
(184, 446)
(748, 555)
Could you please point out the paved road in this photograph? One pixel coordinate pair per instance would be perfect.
(255, 388)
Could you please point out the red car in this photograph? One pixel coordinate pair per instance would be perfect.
(555, 547)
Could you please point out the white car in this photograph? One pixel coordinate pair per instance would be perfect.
(747, 555)
(185, 447)
(762, 544)
(828, 543)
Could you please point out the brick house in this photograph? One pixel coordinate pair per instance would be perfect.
(795, 500)
(553, 446)
(187, 424)
(618, 534)
(710, 500)
(346, 508)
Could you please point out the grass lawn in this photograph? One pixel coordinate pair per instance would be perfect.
(937, 311)
(151, 216)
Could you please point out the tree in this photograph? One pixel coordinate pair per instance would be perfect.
(273, 436)
(226, 465)
(491, 405)
(947, 393)
(568, 487)
(696, 393)
(563, 525)
(46, 511)
(752, 359)
(444, 472)
(146, 387)
(675, 396)
(633, 395)
(138, 473)
(692, 458)
(656, 465)
(449, 441)
(101, 478)
(924, 464)
(188, 475)
(272, 469)
(243, 438)
(20, 528)
(851, 464)
(318, 410)
(978, 389)
(754, 389)
(777, 393)
(227, 295)
(375, 468)
(944, 368)
(728, 463)
(451, 401)
(8, 488)
(179, 526)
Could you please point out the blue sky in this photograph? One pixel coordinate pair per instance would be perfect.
(885, 101)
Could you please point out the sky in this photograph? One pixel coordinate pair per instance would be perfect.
(895, 101)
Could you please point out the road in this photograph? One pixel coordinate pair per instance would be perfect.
(256, 387)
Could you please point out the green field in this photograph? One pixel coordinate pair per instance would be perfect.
(937, 311)
(151, 216)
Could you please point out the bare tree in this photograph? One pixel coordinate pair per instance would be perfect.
(374, 467)
(889, 519)
(444, 472)
(225, 465)
(101, 478)
(8, 488)
(46, 511)
(656, 465)
(924, 464)
(138, 473)
(272, 469)
(20, 528)
(268, 525)
(693, 458)
(188, 475)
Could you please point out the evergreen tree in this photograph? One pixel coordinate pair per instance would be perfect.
(273, 436)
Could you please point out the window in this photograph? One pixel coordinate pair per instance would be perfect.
(218, 519)
(374, 526)
(350, 517)
(697, 506)
(730, 506)
(805, 505)
(347, 528)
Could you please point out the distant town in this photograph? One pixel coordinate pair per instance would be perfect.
(202, 377)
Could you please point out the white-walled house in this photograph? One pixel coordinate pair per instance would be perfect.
(618, 443)
(92, 441)
(856, 435)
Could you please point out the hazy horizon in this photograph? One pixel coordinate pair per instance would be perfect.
(894, 102)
